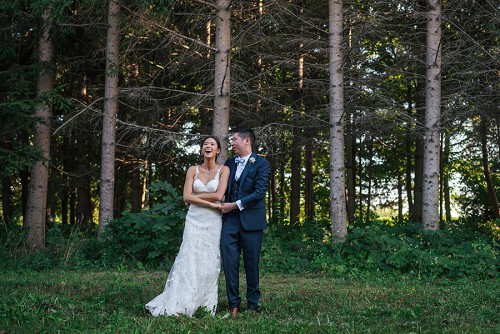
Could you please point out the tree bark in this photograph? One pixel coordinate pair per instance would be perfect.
(296, 160)
(109, 118)
(369, 174)
(282, 190)
(137, 187)
(295, 176)
(420, 95)
(309, 179)
(400, 198)
(409, 160)
(338, 210)
(83, 208)
(430, 198)
(36, 207)
(351, 170)
(483, 130)
(222, 76)
(7, 203)
(273, 189)
(6, 181)
(121, 191)
(446, 177)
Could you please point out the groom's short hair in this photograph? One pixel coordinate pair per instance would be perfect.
(245, 132)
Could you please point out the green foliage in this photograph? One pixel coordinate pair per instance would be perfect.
(17, 158)
(407, 249)
(450, 252)
(150, 235)
(65, 246)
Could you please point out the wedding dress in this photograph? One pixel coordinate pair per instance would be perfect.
(193, 280)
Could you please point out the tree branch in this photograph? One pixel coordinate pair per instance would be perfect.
(206, 3)
(169, 30)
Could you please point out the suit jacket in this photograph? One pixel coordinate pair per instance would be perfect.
(254, 181)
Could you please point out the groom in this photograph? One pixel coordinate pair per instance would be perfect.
(244, 218)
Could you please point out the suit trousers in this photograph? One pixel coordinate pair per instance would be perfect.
(235, 240)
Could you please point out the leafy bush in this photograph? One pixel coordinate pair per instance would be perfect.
(451, 252)
(150, 235)
(137, 239)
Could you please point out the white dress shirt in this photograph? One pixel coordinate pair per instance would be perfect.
(239, 169)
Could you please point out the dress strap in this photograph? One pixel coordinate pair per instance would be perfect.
(197, 172)
(218, 171)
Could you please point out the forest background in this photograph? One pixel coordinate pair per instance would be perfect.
(58, 63)
(380, 119)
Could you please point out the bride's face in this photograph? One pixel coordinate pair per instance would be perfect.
(210, 148)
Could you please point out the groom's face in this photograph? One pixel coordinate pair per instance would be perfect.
(238, 144)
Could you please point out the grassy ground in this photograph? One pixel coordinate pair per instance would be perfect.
(113, 302)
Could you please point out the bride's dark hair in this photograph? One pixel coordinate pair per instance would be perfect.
(203, 142)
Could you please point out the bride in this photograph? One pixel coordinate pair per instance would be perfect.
(193, 280)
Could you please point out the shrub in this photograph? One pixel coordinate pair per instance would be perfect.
(150, 235)
(375, 247)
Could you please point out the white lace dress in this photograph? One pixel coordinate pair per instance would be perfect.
(192, 281)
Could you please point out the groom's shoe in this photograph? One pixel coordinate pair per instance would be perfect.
(234, 311)
(254, 308)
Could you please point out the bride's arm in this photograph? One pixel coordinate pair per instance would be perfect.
(189, 197)
(221, 189)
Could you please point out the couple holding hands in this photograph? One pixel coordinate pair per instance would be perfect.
(216, 230)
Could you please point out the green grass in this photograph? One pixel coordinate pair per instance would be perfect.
(61, 301)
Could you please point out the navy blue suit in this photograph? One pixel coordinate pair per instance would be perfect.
(243, 230)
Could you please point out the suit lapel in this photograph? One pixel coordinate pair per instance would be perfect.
(232, 172)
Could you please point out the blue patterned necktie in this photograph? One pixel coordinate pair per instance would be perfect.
(239, 160)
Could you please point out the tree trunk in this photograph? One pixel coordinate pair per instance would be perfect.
(7, 203)
(273, 190)
(137, 187)
(497, 122)
(400, 198)
(420, 96)
(409, 160)
(309, 179)
(260, 67)
(416, 214)
(109, 117)
(295, 177)
(36, 208)
(83, 208)
(72, 214)
(351, 170)
(297, 142)
(369, 216)
(338, 210)
(483, 130)
(6, 181)
(64, 201)
(222, 76)
(430, 198)
(121, 191)
(446, 177)
(282, 190)
(441, 180)
(361, 196)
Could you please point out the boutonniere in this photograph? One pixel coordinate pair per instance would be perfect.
(251, 160)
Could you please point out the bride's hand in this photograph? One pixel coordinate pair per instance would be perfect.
(215, 205)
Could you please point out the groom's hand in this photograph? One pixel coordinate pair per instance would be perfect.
(227, 207)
